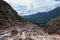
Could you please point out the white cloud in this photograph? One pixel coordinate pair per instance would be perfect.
(28, 7)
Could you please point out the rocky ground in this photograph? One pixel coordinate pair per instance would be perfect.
(22, 33)
(27, 32)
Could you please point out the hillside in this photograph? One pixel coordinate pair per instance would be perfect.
(14, 27)
(53, 26)
(8, 16)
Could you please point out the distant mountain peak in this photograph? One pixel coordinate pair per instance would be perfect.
(43, 17)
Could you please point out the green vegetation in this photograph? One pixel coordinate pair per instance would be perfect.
(2, 22)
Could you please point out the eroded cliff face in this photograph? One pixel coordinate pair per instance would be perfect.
(13, 27)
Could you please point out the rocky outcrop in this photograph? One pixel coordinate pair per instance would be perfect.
(28, 33)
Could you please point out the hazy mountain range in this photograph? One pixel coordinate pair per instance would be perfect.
(43, 18)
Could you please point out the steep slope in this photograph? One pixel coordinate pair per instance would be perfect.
(53, 26)
(8, 16)
(43, 18)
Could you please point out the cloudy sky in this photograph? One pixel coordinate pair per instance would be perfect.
(29, 7)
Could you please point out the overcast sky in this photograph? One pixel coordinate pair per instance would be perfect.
(29, 7)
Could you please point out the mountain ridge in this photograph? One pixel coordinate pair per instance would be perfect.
(43, 18)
